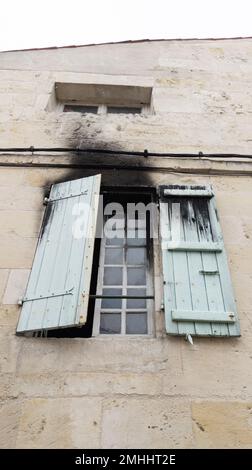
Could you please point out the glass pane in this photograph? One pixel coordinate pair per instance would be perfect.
(114, 229)
(112, 276)
(136, 241)
(111, 303)
(136, 276)
(123, 110)
(136, 232)
(114, 256)
(80, 108)
(136, 255)
(136, 303)
(136, 323)
(115, 241)
(110, 323)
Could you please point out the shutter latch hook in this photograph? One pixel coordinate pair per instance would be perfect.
(189, 339)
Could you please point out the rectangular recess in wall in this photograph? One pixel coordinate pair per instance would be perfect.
(98, 94)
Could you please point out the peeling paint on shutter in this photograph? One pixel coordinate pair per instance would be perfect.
(198, 294)
(58, 287)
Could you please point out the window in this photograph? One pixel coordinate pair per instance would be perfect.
(101, 109)
(98, 98)
(62, 290)
(125, 291)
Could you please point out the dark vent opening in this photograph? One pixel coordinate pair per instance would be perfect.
(76, 108)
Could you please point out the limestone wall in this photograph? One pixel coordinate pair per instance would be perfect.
(127, 392)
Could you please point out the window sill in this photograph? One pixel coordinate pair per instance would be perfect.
(122, 337)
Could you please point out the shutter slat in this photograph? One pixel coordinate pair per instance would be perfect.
(180, 268)
(183, 292)
(195, 265)
(88, 252)
(224, 273)
(168, 271)
(214, 292)
(62, 264)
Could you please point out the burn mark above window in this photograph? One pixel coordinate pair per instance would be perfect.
(194, 214)
(46, 219)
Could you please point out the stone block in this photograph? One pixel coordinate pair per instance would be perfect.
(78, 384)
(16, 286)
(25, 198)
(226, 360)
(60, 423)
(9, 316)
(136, 355)
(10, 346)
(224, 424)
(146, 422)
(11, 177)
(9, 388)
(17, 252)
(23, 223)
(4, 273)
(9, 419)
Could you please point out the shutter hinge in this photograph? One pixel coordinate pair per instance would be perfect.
(47, 199)
(49, 296)
(203, 271)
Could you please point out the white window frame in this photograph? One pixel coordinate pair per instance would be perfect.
(149, 286)
(102, 109)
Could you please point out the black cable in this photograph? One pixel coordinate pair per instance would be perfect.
(112, 167)
(129, 153)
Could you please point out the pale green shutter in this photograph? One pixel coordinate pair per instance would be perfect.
(198, 296)
(58, 287)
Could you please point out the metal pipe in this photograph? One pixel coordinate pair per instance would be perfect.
(93, 296)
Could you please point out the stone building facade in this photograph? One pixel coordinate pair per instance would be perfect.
(111, 391)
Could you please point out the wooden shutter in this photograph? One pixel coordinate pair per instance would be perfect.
(58, 287)
(198, 296)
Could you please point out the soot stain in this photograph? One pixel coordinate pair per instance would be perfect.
(47, 216)
(195, 211)
(80, 138)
